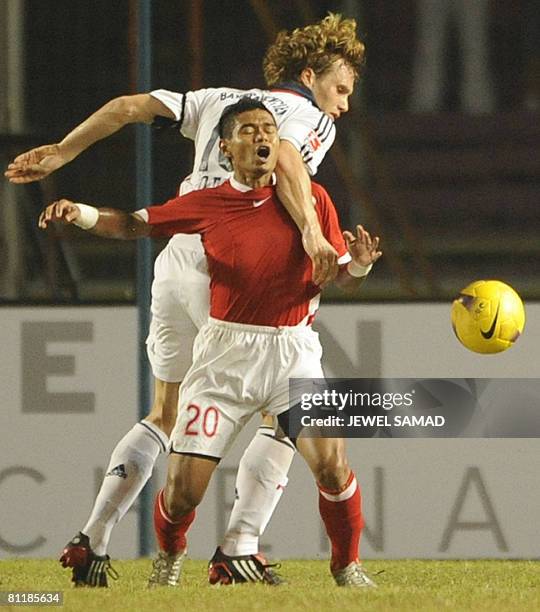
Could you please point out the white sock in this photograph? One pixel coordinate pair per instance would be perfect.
(261, 478)
(129, 469)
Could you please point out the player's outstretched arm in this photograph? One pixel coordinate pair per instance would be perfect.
(294, 190)
(38, 163)
(105, 222)
(364, 251)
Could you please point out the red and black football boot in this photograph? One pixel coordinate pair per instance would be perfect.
(88, 569)
(223, 569)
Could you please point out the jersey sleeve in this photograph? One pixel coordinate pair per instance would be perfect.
(188, 214)
(185, 106)
(328, 217)
(312, 134)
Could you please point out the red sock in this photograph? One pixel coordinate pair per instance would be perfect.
(171, 535)
(341, 512)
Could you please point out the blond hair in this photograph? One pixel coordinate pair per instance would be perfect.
(315, 46)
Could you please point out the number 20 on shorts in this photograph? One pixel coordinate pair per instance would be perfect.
(208, 418)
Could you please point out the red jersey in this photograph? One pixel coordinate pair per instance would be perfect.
(259, 271)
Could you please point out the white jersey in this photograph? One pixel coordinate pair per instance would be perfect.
(299, 121)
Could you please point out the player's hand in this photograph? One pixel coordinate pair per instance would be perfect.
(323, 255)
(63, 211)
(36, 164)
(363, 248)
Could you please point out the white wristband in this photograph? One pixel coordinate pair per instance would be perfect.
(88, 218)
(357, 270)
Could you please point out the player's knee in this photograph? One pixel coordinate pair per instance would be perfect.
(165, 424)
(180, 498)
(165, 406)
(165, 420)
(177, 508)
(332, 472)
(182, 494)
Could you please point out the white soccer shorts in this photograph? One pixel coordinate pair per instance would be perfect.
(239, 370)
(180, 306)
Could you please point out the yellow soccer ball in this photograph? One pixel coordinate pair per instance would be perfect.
(488, 316)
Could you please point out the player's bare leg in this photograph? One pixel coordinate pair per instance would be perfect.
(165, 406)
(174, 511)
(339, 506)
(327, 459)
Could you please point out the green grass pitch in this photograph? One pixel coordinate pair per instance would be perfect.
(403, 585)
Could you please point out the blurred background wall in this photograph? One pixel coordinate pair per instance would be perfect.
(67, 379)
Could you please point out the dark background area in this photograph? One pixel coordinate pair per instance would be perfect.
(445, 190)
(78, 58)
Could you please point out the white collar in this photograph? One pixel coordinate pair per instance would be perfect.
(243, 188)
